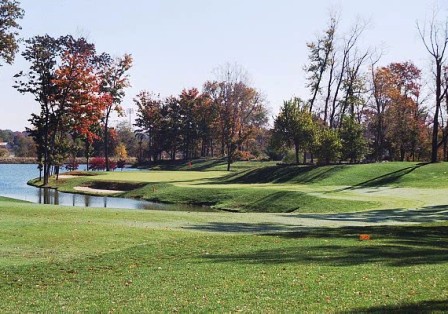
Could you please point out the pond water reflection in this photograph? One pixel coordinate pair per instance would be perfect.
(13, 179)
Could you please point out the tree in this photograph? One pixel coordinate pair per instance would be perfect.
(240, 113)
(329, 145)
(295, 126)
(397, 120)
(240, 108)
(321, 54)
(126, 135)
(353, 142)
(10, 12)
(23, 145)
(114, 81)
(149, 123)
(121, 152)
(207, 119)
(434, 36)
(62, 79)
(189, 102)
(171, 125)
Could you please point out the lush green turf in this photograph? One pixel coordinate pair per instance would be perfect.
(266, 187)
(398, 174)
(58, 259)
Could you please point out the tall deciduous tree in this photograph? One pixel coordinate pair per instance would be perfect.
(115, 80)
(321, 57)
(397, 120)
(149, 123)
(240, 112)
(62, 79)
(434, 36)
(10, 12)
(189, 101)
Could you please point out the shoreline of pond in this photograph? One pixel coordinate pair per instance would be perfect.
(161, 205)
(14, 184)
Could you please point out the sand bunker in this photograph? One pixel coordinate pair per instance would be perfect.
(66, 176)
(97, 191)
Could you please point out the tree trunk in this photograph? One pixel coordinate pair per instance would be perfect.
(106, 143)
(296, 147)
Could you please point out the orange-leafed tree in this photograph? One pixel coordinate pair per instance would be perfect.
(240, 110)
(398, 119)
(62, 78)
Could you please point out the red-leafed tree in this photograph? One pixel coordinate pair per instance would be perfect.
(63, 78)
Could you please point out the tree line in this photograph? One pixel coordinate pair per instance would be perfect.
(356, 109)
(229, 117)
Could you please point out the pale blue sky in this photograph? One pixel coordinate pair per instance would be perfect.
(177, 44)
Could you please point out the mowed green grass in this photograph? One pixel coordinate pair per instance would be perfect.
(266, 187)
(64, 259)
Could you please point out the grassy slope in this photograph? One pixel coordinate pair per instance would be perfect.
(266, 187)
(56, 259)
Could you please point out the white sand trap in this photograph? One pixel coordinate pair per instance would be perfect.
(67, 176)
(97, 191)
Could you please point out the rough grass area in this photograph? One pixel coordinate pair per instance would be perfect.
(59, 259)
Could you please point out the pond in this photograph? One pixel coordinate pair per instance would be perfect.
(13, 184)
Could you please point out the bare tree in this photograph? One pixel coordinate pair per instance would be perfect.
(321, 57)
(434, 35)
(345, 62)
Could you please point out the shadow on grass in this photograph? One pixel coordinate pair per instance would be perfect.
(423, 307)
(394, 246)
(301, 222)
(422, 215)
(385, 179)
(283, 174)
(194, 165)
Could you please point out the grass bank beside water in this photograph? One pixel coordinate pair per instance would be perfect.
(266, 187)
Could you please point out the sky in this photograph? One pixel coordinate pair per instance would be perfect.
(177, 44)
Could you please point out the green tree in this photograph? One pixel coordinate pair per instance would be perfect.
(329, 145)
(295, 126)
(189, 102)
(353, 142)
(149, 124)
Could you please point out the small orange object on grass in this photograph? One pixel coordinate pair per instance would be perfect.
(364, 237)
